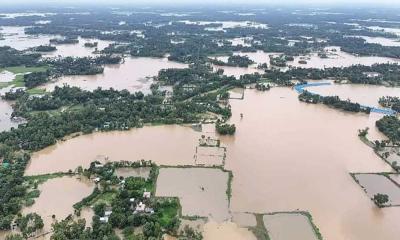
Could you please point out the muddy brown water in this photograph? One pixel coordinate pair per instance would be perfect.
(364, 94)
(374, 184)
(57, 196)
(288, 226)
(135, 74)
(5, 116)
(131, 145)
(285, 155)
(201, 191)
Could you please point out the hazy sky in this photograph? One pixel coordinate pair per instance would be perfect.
(274, 2)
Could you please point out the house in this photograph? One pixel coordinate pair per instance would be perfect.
(107, 213)
(141, 207)
(132, 200)
(371, 74)
(104, 219)
(146, 194)
(96, 180)
(149, 210)
(98, 165)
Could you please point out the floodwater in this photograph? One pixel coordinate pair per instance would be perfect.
(227, 24)
(15, 37)
(364, 94)
(201, 191)
(337, 58)
(382, 41)
(226, 230)
(375, 183)
(395, 177)
(132, 145)
(78, 49)
(57, 197)
(241, 41)
(210, 156)
(134, 75)
(238, 71)
(288, 226)
(5, 116)
(285, 155)
(244, 219)
(6, 76)
(383, 29)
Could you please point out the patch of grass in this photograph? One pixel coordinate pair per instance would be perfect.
(168, 212)
(36, 91)
(18, 81)
(105, 197)
(39, 179)
(23, 69)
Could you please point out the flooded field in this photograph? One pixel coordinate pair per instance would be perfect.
(238, 71)
(15, 37)
(6, 110)
(6, 76)
(201, 191)
(359, 93)
(142, 172)
(131, 145)
(385, 29)
(307, 170)
(210, 156)
(134, 75)
(78, 49)
(289, 226)
(395, 177)
(376, 183)
(227, 24)
(226, 230)
(382, 41)
(336, 58)
(244, 219)
(57, 197)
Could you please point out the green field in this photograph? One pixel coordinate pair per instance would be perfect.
(20, 70)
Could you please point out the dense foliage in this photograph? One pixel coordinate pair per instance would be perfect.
(390, 126)
(333, 101)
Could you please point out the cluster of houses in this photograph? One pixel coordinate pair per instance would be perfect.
(138, 207)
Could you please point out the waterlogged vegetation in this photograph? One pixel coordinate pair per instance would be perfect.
(260, 50)
(333, 101)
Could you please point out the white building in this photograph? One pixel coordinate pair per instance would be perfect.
(141, 207)
(147, 194)
(104, 219)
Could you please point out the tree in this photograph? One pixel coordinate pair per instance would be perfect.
(381, 199)
(30, 223)
(14, 237)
